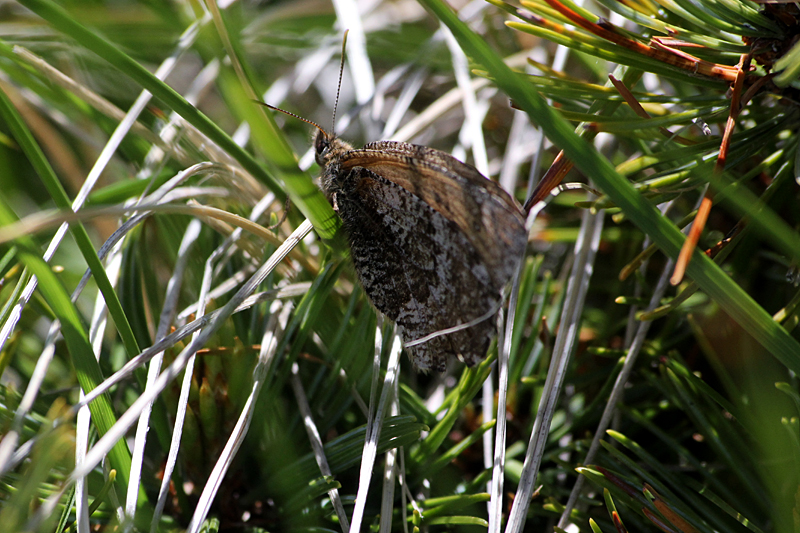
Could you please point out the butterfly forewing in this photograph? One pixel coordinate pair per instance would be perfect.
(485, 213)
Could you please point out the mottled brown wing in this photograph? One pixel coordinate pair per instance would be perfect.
(482, 210)
(418, 268)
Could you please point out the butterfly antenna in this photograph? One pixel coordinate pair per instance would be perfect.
(298, 117)
(339, 87)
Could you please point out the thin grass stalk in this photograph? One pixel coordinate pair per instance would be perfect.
(279, 318)
(471, 132)
(348, 15)
(365, 469)
(316, 444)
(374, 427)
(82, 428)
(504, 341)
(411, 88)
(96, 331)
(390, 469)
(520, 120)
(175, 442)
(616, 392)
(487, 405)
(84, 93)
(405, 494)
(183, 400)
(165, 321)
(585, 249)
(499, 456)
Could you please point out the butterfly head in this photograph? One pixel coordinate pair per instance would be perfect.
(328, 147)
(322, 146)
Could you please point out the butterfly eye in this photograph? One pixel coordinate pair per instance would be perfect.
(322, 145)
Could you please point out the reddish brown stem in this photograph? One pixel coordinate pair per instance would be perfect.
(552, 178)
(700, 220)
(661, 53)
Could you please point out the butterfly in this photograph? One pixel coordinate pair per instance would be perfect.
(433, 241)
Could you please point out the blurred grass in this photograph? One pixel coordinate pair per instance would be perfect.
(706, 437)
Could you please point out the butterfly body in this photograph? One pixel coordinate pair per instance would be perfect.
(433, 242)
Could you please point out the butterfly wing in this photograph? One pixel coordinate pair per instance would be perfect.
(418, 268)
(480, 208)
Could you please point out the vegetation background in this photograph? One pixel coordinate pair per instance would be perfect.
(628, 403)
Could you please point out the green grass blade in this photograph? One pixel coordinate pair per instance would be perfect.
(303, 193)
(31, 149)
(86, 367)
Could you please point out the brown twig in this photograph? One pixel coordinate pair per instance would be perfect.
(705, 206)
(664, 54)
(551, 179)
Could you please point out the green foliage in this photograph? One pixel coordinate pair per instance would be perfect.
(705, 437)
